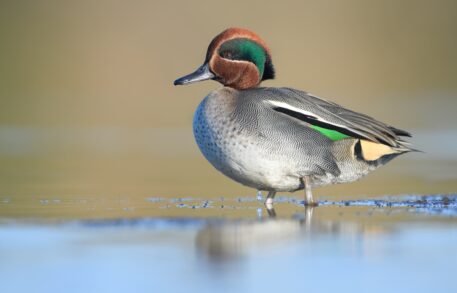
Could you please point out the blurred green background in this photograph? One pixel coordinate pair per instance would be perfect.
(87, 105)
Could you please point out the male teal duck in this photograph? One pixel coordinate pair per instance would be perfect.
(280, 139)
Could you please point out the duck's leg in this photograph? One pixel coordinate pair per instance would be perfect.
(309, 201)
(271, 211)
(270, 199)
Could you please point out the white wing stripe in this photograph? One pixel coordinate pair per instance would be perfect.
(298, 110)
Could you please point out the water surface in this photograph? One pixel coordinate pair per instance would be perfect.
(405, 243)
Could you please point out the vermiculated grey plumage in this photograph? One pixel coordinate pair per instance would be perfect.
(244, 137)
(358, 123)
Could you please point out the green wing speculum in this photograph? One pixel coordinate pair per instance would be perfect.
(331, 131)
(332, 134)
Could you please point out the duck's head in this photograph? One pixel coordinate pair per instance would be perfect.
(237, 58)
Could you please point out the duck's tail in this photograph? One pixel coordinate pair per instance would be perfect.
(378, 153)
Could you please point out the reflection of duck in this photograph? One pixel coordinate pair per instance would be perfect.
(280, 139)
(232, 239)
(228, 240)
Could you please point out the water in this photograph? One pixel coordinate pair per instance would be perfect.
(403, 243)
(140, 210)
(102, 188)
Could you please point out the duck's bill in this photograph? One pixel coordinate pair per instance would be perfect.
(202, 73)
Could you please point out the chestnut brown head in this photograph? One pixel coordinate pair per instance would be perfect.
(237, 58)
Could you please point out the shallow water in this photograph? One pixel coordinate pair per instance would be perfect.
(97, 210)
(102, 188)
(404, 243)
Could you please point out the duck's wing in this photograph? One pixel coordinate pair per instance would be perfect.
(331, 116)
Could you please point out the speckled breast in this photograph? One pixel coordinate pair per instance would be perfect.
(215, 132)
(232, 149)
(222, 141)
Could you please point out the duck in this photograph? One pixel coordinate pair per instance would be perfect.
(280, 139)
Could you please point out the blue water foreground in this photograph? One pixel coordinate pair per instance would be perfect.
(405, 244)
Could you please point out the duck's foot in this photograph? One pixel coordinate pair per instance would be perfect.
(311, 204)
(269, 204)
(271, 211)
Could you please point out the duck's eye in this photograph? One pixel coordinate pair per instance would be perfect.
(227, 55)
